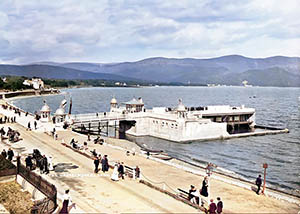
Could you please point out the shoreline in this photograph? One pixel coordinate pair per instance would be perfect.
(197, 169)
(184, 162)
(175, 173)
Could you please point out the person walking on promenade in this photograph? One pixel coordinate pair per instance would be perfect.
(219, 206)
(96, 163)
(204, 189)
(212, 207)
(121, 170)
(10, 154)
(28, 126)
(137, 172)
(258, 183)
(115, 174)
(104, 163)
(35, 124)
(28, 162)
(3, 153)
(67, 203)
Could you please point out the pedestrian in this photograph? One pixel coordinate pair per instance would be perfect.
(45, 162)
(204, 190)
(137, 172)
(219, 206)
(104, 163)
(94, 153)
(28, 162)
(121, 170)
(28, 126)
(258, 183)
(89, 137)
(10, 154)
(212, 207)
(50, 164)
(41, 165)
(96, 163)
(192, 193)
(67, 203)
(3, 153)
(115, 174)
(35, 124)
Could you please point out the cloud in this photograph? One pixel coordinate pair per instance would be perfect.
(128, 30)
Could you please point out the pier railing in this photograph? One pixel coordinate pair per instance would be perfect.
(47, 205)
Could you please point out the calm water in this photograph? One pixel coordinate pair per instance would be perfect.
(278, 107)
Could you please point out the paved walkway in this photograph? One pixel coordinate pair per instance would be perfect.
(97, 193)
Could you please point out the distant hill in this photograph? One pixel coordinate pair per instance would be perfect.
(232, 69)
(56, 72)
(229, 70)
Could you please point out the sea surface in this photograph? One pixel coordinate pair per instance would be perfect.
(243, 157)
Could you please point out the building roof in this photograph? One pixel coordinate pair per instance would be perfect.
(134, 102)
(180, 106)
(113, 101)
(60, 111)
(45, 108)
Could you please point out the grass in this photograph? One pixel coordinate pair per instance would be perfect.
(13, 199)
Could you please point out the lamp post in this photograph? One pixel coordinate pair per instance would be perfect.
(265, 166)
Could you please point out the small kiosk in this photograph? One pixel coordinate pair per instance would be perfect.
(60, 115)
(45, 113)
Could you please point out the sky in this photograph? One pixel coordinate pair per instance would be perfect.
(104, 31)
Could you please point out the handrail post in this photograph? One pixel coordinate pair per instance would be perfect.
(18, 166)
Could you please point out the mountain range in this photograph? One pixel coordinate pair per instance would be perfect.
(229, 70)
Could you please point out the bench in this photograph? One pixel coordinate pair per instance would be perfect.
(186, 195)
(130, 172)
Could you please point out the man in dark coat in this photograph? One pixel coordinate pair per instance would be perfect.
(10, 154)
(96, 163)
(104, 163)
(258, 183)
(219, 206)
(121, 170)
(3, 153)
(28, 162)
(45, 163)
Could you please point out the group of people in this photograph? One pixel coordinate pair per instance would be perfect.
(8, 154)
(118, 172)
(12, 119)
(41, 161)
(12, 135)
(215, 208)
(195, 197)
(98, 159)
(7, 119)
(29, 125)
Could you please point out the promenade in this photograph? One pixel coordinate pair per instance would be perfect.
(96, 193)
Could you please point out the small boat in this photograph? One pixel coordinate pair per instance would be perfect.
(163, 156)
(153, 152)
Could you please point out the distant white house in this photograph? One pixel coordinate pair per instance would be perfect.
(35, 83)
(245, 83)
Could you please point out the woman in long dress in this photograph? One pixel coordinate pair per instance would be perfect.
(204, 190)
(115, 174)
(67, 201)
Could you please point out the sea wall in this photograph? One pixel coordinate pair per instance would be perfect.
(32, 92)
